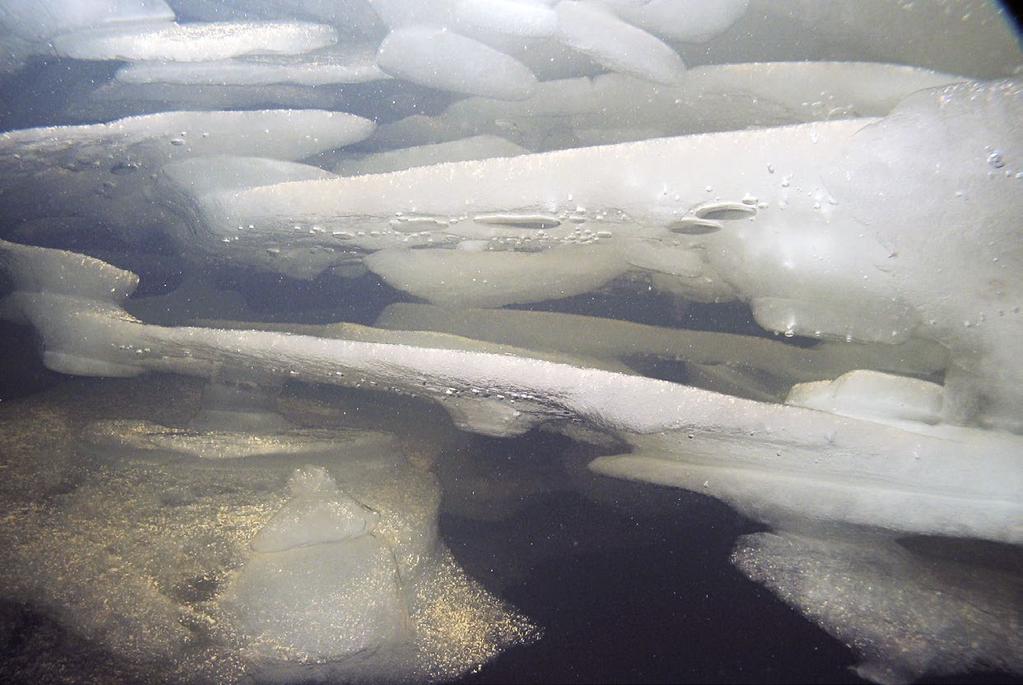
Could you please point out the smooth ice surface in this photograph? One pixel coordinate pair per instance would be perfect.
(695, 21)
(513, 17)
(198, 42)
(623, 340)
(475, 147)
(439, 58)
(323, 67)
(614, 108)
(615, 44)
(869, 393)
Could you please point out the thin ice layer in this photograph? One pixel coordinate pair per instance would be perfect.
(443, 59)
(323, 67)
(106, 172)
(616, 108)
(466, 149)
(778, 464)
(624, 340)
(196, 42)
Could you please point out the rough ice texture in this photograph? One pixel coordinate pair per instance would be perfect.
(197, 42)
(778, 464)
(283, 585)
(941, 616)
(439, 58)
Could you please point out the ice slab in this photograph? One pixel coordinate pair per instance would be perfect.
(413, 336)
(466, 149)
(322, 67)
(613, 108)
(512, 17)
(26, 29)
(615, 44)
(872, 394)
(622, 340)
(979, 39)
(795, 220)
(440, 58)
(778, 464)
(942, 616)
(494, 279)
(692, 21)
(105, 172)
(195, 42)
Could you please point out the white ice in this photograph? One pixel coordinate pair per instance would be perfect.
(196, 42)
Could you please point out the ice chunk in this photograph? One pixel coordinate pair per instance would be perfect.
(354, 608)
(870, 394)
(957, 304)
(225, 172)
(230, 407)
(615, 44)
(494, 279)
(41, 20)
(61, 171)
(476, 147)
(197, 42)
(318, 513)
(622, 340)
(778, 464)
(440, 58)
(323, 67)
(613, 108)
(941, 616)
(694, 21)
(416, 338)
(513, 17)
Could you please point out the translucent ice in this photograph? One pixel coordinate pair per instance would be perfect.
(440, 58)
(615, 44)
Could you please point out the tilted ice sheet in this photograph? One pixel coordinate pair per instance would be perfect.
(694, 21)
(476, 147)
(322, 67)
(105, 172)
(623, 340)
(196, 42)
(779, 464)
(443, 59)
(615, 44)
(616, 108)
